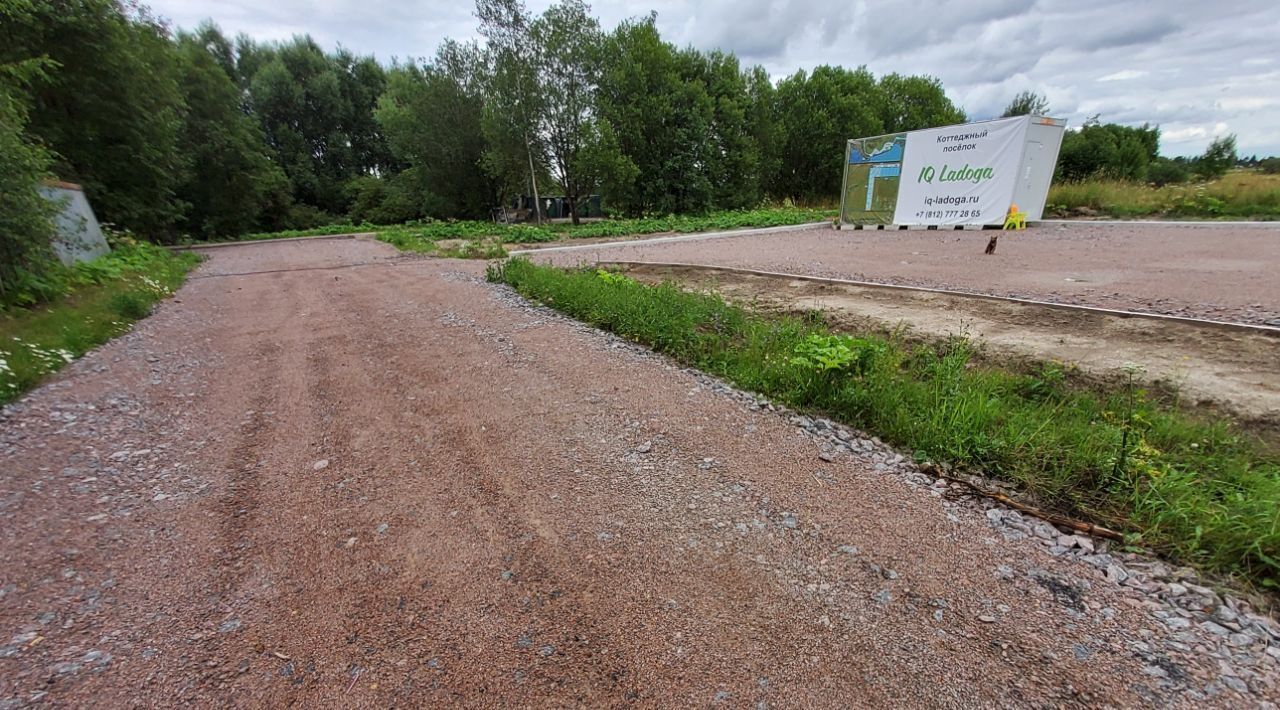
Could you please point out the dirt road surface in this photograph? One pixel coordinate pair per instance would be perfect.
(1227, 370)
(329, 476)
(1216, 272)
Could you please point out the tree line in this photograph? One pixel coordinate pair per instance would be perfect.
(1130, 153)
(193, 133)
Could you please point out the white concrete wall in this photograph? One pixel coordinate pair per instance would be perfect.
(78, 238)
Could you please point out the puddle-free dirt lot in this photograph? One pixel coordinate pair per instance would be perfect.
(1218, 272)
(1235, 370)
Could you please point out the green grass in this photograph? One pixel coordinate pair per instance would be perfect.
(1201, 491)
(340, 228)
(1240, 194)
(484, 237)
(100, 299)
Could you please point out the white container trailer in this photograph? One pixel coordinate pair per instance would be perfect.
(962, 175)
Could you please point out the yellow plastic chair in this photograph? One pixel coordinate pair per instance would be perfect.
(1015, 219)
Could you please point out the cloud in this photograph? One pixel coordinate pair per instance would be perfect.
(1197, 69)
(1136, 31)
(1124, 75)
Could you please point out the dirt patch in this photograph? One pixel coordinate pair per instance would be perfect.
(1235, 371)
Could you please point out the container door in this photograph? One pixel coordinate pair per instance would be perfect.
(1034, 154)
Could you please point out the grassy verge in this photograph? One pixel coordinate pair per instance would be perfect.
(324, 230)
(484, 239)
(1240, 194)
(102, 297)
(1199, 490)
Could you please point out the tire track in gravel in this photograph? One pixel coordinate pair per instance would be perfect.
(539, 568)
(668, 543)
(237, 507)
(741, 585)
(492, 508)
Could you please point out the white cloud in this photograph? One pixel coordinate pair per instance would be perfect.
(1188, 67)
(1124, 75)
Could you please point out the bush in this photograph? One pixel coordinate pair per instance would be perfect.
(131, 305)
(1107, 151)
(302, 216)
(1167, 172)
(1217, 159)
(379, 200)
(26, 217)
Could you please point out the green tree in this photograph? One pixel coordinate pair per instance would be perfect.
(111, 111)
(582, 151)
(910, 103)
(316, 111)
(661, 119)
(1218, 158)
(250, 57)
(362, 82)
(1108, 150)
(820, 112)
(232, 186)
(431, 116)
(217, 45)
(764, 126)
(735, 161)
(1027, 103)
(26, 217)
(513, 106)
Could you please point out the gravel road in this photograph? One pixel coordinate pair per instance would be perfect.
(359, 479)
(1216, 272)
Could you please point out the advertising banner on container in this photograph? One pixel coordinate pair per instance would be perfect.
(955, 176)
(960, 174)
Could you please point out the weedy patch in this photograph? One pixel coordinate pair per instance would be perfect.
(1241, 194)
(486, 238)
(96, 301)
(837, 353)
(1198, 489)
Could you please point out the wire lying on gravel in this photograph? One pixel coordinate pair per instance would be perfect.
(931, 468)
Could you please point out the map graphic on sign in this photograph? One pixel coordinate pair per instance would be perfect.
(871, 180)
(881, 149)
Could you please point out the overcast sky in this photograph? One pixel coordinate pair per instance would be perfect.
(1198, 69)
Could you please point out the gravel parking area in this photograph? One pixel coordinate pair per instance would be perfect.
(328, 475)
(1203, 271)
